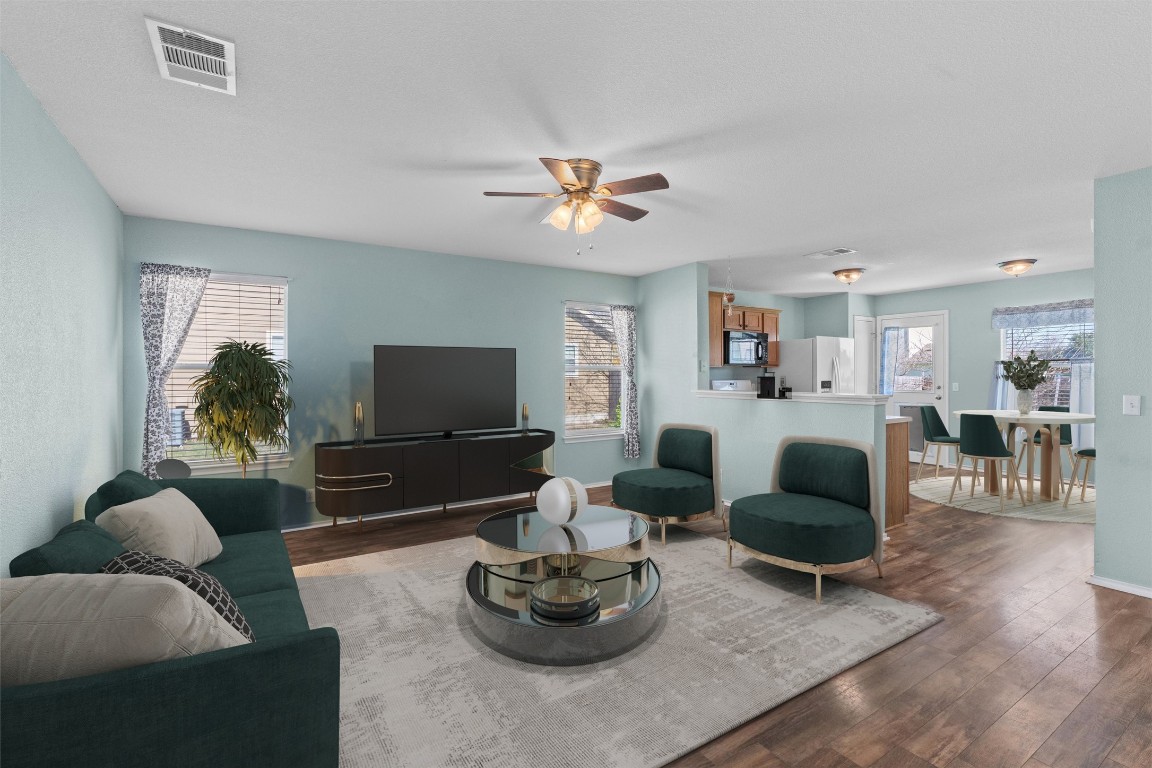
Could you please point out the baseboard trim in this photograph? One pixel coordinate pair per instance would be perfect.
(1120, 586)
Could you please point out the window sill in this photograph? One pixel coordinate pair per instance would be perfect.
(204, 468)
(593, 437)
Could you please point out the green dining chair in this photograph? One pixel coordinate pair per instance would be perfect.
(1065, 440)
(980, 438)
(1088, 456)
(935, 434)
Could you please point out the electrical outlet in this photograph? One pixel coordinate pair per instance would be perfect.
(955, 386)
(310, 495)
(1131, 405)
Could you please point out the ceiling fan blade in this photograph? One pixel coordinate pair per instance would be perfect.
(637, 184)
(561, 171)
(623, 210)
(524, 194)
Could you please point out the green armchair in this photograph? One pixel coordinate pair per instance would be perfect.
(684, 484)
(822, 513)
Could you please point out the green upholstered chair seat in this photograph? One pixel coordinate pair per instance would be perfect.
(948, 440)
(1088, 453)
(662, 492)
(251, 563)
(807, 529)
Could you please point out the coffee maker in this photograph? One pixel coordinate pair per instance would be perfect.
(767, 386)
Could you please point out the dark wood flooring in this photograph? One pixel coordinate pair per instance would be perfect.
(1031, 667)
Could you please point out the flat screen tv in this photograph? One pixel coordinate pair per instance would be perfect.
(443, 389)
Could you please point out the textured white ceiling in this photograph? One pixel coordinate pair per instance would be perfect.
(935, 138)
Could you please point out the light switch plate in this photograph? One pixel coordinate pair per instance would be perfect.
(1131, 405)
(955, 386)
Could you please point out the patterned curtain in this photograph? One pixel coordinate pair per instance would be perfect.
(169, 298)
(624, 324)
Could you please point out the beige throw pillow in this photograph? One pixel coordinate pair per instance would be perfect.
(66, 625)
(166, 524)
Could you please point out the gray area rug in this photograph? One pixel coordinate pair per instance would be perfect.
(418, 689)
(1077, 511)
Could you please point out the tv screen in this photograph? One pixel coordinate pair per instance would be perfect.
(443, 389)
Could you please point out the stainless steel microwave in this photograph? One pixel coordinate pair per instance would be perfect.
(744, 348)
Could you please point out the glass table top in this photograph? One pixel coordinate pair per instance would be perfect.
(596, 529)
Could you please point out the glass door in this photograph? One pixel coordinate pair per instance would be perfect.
(914, 362)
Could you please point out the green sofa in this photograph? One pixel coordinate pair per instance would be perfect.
(274, 702)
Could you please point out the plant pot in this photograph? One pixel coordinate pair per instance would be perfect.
(1024, 401)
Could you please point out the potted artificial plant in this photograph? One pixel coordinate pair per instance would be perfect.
(241, 400)
(1025, 374)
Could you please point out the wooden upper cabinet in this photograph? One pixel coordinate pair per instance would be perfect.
(715, 329)
(753, 319)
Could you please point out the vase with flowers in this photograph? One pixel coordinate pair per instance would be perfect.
(1025, 374)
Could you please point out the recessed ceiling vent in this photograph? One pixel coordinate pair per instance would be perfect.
(829, 253)
(193, 57)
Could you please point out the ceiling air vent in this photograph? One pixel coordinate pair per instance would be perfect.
(829, 253)
(192, 57)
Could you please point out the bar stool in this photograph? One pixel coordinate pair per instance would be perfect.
(1087, 455)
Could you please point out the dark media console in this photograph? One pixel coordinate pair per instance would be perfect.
(391, 474)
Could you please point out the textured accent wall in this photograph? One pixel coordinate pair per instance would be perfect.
(60, 325)
(1123, 241)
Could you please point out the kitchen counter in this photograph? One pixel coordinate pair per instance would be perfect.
(797, 397)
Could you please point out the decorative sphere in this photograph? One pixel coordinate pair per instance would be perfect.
(561, 500)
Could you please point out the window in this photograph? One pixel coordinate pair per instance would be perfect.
(241, 307)
(593, 375)
(1063, 334)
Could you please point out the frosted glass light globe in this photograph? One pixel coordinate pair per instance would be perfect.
(561, 500)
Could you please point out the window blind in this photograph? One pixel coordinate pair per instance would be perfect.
(234, 307)
(593, 373)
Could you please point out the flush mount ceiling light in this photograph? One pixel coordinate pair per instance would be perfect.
(1016, 267)
(849, 275)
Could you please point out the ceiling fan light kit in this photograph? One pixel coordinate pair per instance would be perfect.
(849, 275)
(1016, 267)
(578, 178)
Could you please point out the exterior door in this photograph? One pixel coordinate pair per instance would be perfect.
(914, 361)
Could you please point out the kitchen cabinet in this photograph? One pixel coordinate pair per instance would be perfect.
(752, 319)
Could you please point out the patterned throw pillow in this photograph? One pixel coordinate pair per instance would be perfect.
(203, 584)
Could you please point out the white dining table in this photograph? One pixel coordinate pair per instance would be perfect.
(1048, 422)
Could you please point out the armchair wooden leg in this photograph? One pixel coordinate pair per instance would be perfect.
(729, 551)
(818, 595)
(663, 532)
(879, 571)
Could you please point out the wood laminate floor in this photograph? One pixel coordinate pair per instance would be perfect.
(1031, 667)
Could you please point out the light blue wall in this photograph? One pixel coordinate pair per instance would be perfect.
(671, 311)
(827, 316)
(345, 297)
(1123, 243)
(973, 345)
(60, 348)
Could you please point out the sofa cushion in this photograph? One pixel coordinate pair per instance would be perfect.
(205, 585)
(79, 547)
(125, 487)
(274, 614)
(662, 492)
(65, 625)
(808, 529)
(166, 524)
(251, 563)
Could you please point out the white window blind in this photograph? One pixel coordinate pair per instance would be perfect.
(234, 307)
(593, 374)
(1065, 335)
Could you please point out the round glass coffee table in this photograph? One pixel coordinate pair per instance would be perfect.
(517, 548)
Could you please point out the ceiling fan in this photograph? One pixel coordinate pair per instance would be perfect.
(585, 199)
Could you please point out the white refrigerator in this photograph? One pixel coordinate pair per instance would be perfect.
(819, 364)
